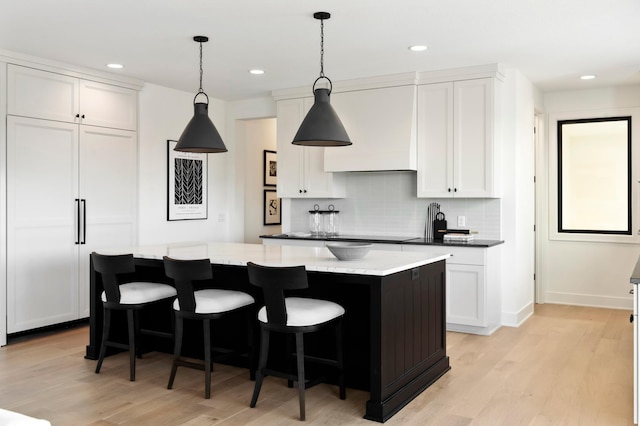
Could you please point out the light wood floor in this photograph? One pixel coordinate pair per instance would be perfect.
(564, 366)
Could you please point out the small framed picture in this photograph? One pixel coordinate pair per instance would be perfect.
(272, 208)
(270, 168)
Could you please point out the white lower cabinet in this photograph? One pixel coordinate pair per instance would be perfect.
(71, 189)
(473, 287)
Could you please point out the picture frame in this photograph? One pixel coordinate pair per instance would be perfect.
(272, 208)
(186, 184)
(270, 168)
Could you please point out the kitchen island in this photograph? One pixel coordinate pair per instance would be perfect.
(394, 326)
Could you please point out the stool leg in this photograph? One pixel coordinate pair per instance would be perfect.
(106, 323)
(136, 326)
(343, 392)
(262, 364)
(207, 358)
(301, 382)
(288, 339)
(132, 344)
(177, 348)
(252, 346)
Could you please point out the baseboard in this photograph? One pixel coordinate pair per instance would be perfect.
(516, 319)
(591, 300)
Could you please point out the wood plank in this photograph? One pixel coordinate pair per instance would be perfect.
(566, 365)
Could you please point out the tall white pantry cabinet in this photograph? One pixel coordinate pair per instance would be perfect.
(71, 189)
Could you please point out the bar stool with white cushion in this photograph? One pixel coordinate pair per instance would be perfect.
(293, 315)
(205, 305)
(127, 296)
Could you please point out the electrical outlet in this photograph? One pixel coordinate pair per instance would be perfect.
(462, 221)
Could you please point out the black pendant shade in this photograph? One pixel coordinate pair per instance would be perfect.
(200, 135)
(321, 126)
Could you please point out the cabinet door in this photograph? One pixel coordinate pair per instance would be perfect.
(381, 123)
(473, 138)
(435, 140)
(107, 182)
(42, 94)
(290, 113)
(108, 106)
(466, 295)
(42, 257)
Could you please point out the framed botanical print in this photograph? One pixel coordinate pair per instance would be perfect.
(270, 168)
(272, 208)
(186, 184)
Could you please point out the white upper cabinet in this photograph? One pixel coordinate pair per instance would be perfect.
(457, 152)
(301, 169)
(106, 105)
(381, 123)
(51, 96)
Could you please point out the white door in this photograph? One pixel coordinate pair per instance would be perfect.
(108, 106)
(107, 196)
(42, 272)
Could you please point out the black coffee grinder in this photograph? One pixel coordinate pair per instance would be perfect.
(439, 227)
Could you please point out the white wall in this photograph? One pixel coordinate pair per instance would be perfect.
(163, 115)
(518, 201)
(258, 135)
(587, 273)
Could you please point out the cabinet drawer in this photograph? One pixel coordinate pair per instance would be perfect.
(459, 255)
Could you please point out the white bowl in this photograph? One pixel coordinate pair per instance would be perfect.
(349, 251)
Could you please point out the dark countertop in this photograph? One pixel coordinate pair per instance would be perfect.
(389, 239)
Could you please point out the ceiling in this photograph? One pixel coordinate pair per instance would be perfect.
(552, 42)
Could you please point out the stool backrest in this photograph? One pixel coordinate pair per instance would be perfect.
(109, 267)
(274, 281)
(184, 273)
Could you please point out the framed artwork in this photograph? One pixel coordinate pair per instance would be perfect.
(186, 184)
(270, 168)
(272, 208)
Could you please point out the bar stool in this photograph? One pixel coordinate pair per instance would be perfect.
(130, 297)
(293, 315)
(204, 305)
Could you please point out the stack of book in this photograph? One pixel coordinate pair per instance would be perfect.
(458, 238)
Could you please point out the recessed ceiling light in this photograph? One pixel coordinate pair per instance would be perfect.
(418, 48)
(256, 72)
(115, 66)
(588, 77)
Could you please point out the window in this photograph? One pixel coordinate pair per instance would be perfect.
(594, 176)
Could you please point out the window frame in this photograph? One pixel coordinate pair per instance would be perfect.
(549, 167)
(560, 124)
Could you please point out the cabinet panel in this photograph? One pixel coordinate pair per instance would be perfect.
(435, 140)
(381, 123)
(51, 96)
(473, 138)
(42, 273)
(108, 188)
(70, 190)
(108, 106)
(456, 139)
(40, 94)
(466, 295)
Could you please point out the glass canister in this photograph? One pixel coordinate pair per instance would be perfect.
(316, 226)
(331, 221)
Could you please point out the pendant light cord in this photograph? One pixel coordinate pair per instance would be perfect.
(200, 89)
(322, 48)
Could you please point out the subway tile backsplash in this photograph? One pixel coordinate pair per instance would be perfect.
(385, 203)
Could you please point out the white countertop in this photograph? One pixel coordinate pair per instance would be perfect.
(317, 259)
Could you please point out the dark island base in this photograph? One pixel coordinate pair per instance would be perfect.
(394, 328)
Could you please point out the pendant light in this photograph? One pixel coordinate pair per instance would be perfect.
(200, 135)
(321, 126)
